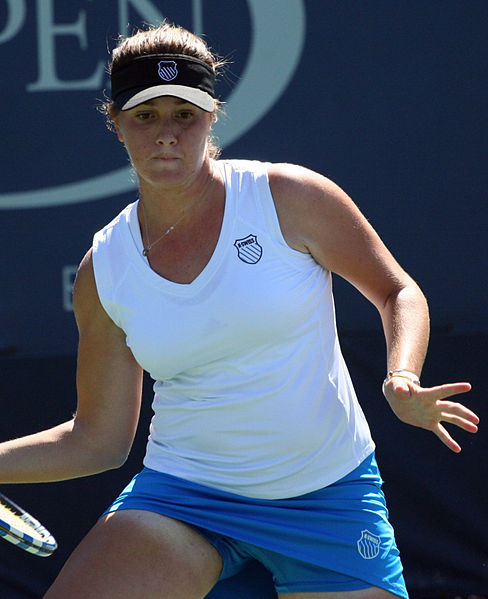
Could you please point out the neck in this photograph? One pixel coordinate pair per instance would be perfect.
(167, 199)
(161, 213)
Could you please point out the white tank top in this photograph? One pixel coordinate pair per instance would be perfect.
(252, 395)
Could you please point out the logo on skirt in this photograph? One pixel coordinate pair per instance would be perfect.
(369, 545)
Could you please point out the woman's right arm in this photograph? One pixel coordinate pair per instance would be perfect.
(109, 385)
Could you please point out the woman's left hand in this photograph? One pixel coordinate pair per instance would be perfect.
(427, 407)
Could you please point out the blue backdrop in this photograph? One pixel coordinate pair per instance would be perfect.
(387, 98)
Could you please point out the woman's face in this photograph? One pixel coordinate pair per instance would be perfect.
(166, 139)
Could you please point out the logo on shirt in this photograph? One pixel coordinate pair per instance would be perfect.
(369, 545)
(248, 249)
(167, 70)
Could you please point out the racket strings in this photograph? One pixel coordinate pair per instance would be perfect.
(20, 528)
(22, 523)
(11, 517)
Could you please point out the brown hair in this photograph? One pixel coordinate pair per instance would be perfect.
(164, 39)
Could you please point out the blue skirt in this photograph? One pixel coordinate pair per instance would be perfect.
(343, 527)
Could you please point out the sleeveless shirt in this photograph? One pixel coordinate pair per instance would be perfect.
(251, 394)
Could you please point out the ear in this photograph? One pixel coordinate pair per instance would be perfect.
(216, 111)
(117, 130)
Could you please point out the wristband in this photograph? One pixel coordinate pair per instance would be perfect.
(402, 373)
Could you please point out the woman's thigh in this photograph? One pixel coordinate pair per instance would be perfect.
(135, 554)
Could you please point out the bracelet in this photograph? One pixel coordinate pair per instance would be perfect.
(402, 373)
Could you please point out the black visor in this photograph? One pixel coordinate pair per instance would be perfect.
(154, 75)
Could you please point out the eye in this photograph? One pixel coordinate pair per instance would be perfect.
(185, 115)
(144, 116)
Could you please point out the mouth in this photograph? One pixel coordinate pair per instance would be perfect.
(165, 157)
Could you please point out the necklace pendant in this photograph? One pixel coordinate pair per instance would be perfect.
(145, 251)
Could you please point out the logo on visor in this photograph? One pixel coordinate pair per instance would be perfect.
(167, 70)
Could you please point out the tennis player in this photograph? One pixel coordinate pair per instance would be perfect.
(217, 281)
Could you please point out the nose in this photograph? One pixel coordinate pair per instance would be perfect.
(166, 133)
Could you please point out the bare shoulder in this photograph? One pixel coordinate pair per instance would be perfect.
(288, 179)
(318, 217)
(88, 309)
(100, 339)
(308, 204)
(85, 275)
(85, 296)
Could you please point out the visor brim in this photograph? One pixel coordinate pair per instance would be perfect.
(189, 94)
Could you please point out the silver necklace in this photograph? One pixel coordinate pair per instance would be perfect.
(148, 248)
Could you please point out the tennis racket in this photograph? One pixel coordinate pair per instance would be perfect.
(21, 529)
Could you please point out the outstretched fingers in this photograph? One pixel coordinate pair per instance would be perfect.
(450, 389)
(429, 407)
(446, 438)
(456, 413)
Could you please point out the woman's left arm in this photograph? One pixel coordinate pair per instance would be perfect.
(318, 217)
